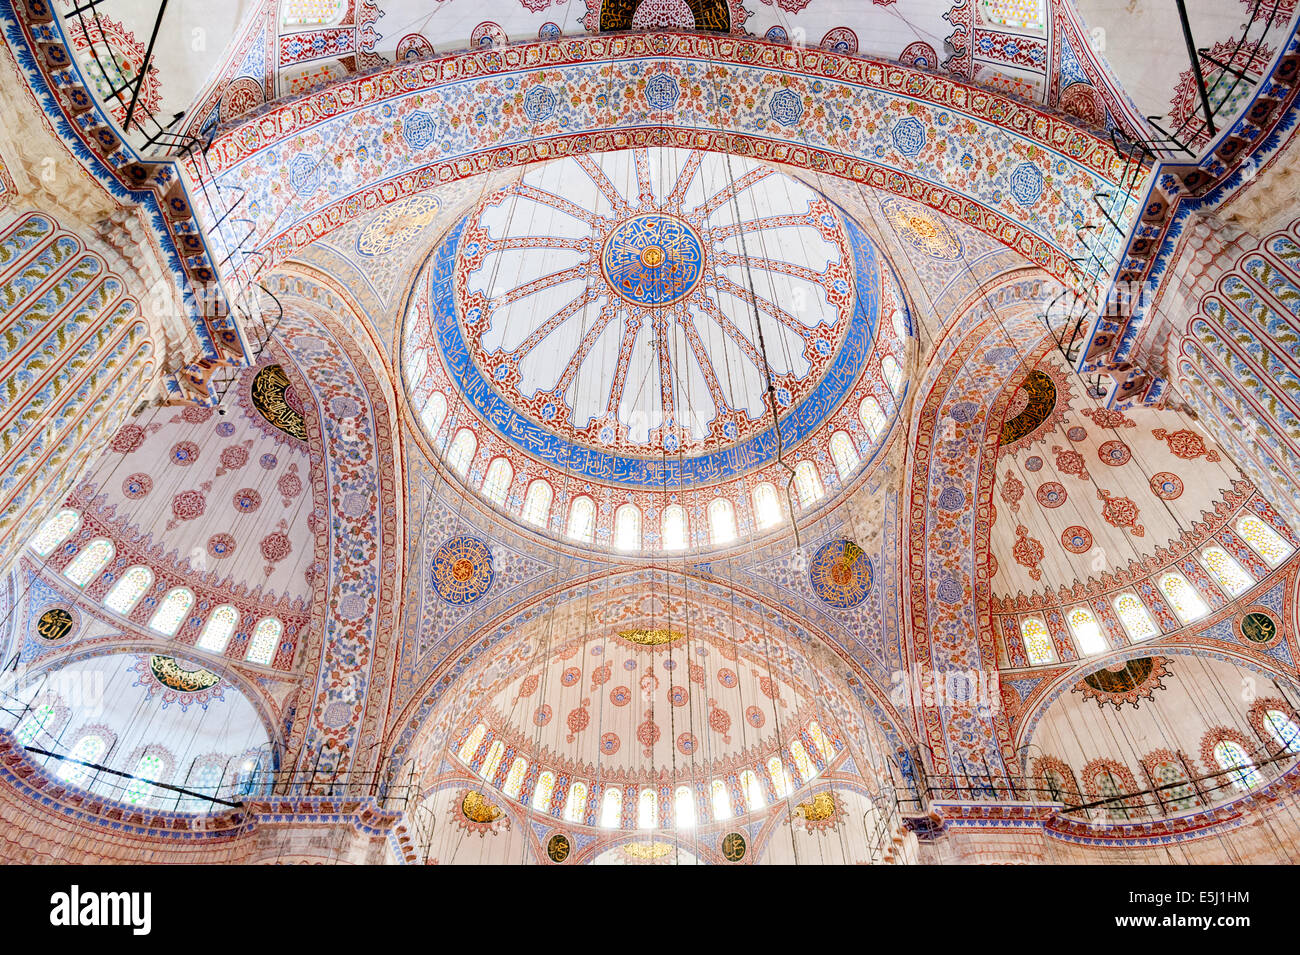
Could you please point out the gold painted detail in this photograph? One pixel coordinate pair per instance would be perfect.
(647, 851)
(478, 808)
(657, 637)
(171, 673)
(268, 391)
(820, 808)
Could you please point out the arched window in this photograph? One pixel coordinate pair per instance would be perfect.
(39, 719)
(496, 483)
(54, 531)
(461, 453)
(92, 559)
(674, 527)
(543, 791)
(801, 761)
(219, 629)
(1182, 596)
(150, 768)
(1225, 570)
(492, 760)
(172, 610)
(611, 808)
(780, 778)
(471, 744)
(515, 778)
(312, 13)
(1087, 632)
(1283, 729)
(647, 809)
(433, 414)
(844, 454)
(266, 640)
(89, 749)
(1132, 613)
(893, 374)
(1237, 764)
(900, 324)
(767, 506)
(872, 417)
(1038, 643)
(1019, 14)
(582, 519)
(537, 503)
(807, 484)
(753, 790)
(575, 804)
(1175, 791)
(128, 590)
(1266, 541)
(722, 521)
(823, 745)
(627, 527)
(684, 807)
(1108, 787)
(721, 799)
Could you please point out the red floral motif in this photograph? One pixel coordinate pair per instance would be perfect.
(137, 486)
(195, 414)
(687, 744)
(678, 695)
(1013, 489)
(1108, 418)
(648, 733)
(234, 457)
(1069, 461)
(1052, 494)
(719, 720)
(221, 546)
(620, 696)
(528, 687)
(276, 547)
(696, 673)
(600, 675)
(128, 439)
(609, 744)
(1076, 538)
(1185, 444)
(289, 485)
(247, 500)
(1028, 552)
(184, 453)
(1166, 485)
(188, 505)
(1120, 512)
(1114, 453)
(578, 720)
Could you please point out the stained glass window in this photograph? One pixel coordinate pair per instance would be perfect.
(89, 749)
(433, 414)
(674, 527)
(54, 531)
(537, 503)
(575, 805)
(627, 527)
(872, 417)
(461, 453)
(647, 809)
(492, 760)
(470, 746)
(893, 374)
(219, 628)
(128, 590)
(1167, 773)
(150, 767)
(1020, 14)
(1108, 788)
(824, 746)
(1086, 630)
(722, 521)
(296, 13)
(1240, 768)
(37, 721)
(611, 808)
(721, 799)
(543, 791)
(496, 483)
(684, 807)
(1283, 729)
(844, 454)
(1266, 541)
(780, 778)
(92, 559)
(1132, 613)
(1038, 643)
(899, 321)
(515, 778)
(1183, 597)
(753, 790)
(582, 519)
(1229, 574)
(266, 640)
(801, 761)
(171, 612)
(1055, 784)
(807, 483)
(767, 506)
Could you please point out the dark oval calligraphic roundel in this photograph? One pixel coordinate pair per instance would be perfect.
(733, 847)
(1258, 627)
(274, 399)
(558, 848)
(54, 625)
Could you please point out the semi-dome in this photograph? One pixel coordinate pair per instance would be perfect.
(626, 328)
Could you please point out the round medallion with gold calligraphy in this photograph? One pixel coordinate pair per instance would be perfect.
(841, 574)
(462, 570)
